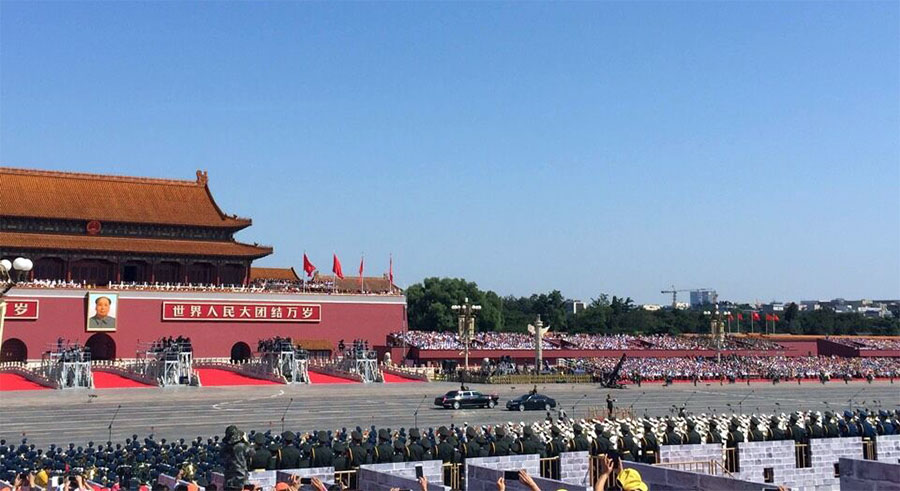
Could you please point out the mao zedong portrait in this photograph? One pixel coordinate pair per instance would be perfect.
(102, 321)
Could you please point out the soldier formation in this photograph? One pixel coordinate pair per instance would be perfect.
(634, 439)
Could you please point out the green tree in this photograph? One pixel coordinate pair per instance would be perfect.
(429, 302)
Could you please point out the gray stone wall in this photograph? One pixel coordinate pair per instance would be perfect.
(529, 462)
(574, 468)
(692, 453)
(756, 456)
(324, 474)
(887, 448)
(869, 475)
(480, 478)
(659, 478)
(267, 479)
(263, 479)
(400, 475)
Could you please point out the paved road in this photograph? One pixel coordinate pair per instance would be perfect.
(77, 416)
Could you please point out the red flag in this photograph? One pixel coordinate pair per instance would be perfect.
(308, 267)
(775, 318)
(391, 273)
(336, 267)
(740, 316)
(768, 317)
(755, 316)
(730, 317)
(361, 259)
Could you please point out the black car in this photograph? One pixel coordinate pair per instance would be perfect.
(531, 402)
(466, 398)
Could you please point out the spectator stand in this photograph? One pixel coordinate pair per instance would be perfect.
(278, 356)
(68, 366)
(363, 363)
(167, 362)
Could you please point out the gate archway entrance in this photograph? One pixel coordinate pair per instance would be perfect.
(240, 351)
(102, 346)
(13, 349)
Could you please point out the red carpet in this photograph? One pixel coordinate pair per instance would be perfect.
(213, 377)
(390, 378)
(11, 381)
(321, 378)
(106, 380)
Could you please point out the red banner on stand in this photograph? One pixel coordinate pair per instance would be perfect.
(241, 312)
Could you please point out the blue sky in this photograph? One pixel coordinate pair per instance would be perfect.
(588, 147)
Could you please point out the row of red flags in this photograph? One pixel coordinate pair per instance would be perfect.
(755, 316)
(309, 268)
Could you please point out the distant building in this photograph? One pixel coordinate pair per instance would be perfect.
(702, 297)
(652, 307)
(575, 306)
(808, 305)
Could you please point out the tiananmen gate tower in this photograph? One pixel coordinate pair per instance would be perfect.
(163, 255)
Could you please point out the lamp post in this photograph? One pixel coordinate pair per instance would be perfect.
(10, 274)
(717, 328)
(466, 314)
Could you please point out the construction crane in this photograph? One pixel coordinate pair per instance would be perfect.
(674, 291)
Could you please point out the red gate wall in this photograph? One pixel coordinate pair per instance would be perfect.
(139, 320)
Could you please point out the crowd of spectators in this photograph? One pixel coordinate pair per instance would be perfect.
(867, 343)
(51, 284)
(554, 341)
(257, 286)
(595, 342)
(740, 367)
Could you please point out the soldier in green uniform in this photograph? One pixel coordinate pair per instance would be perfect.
(713, 436)
(579, 443)
(775, 432)
(755, 435)
(384, 451)
(416, 450)
(340, 460)
(693, 436)
(627, 446)
(602, 444)
(831, 429)
(400, 454)
(288, 455)
(471, 448)
(532, 444)
(262, 457)
(445, 451)
(735, 436)
(671, 437)
(814, 430)
(321, 453)
(483, 443)
(428, 448)
(502, 444)
(557, 443)
(649, 445)
(356, 452)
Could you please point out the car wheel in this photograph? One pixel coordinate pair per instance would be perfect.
(546, 407)
(491, 404)
(455, 404)
(521, 407)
